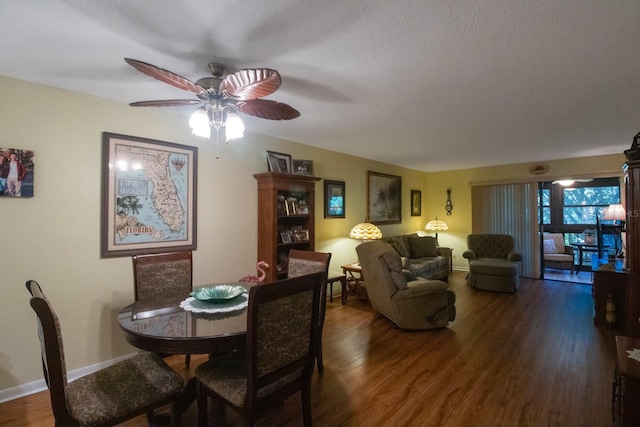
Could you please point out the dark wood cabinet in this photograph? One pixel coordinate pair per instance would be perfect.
(607, 282)
(626, 387)
(632, 199)
(286, 218)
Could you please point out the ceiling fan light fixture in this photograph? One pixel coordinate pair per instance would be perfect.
(199, 123)
(234, 128)
(564, 182)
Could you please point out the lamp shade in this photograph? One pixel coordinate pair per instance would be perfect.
(365, 231)
(436, 225)
(615, 212)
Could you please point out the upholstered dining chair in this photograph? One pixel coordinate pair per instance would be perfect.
(129, 388)
(307, 262)
(278, 359)
(161, 275)
(555, 253)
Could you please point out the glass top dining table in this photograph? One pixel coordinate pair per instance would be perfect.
(161, 325)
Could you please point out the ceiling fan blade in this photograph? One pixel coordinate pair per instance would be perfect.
(251, 83)
(166, 76)
(166, 103)
(266, 109)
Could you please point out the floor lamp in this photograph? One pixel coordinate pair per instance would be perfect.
(436, 225)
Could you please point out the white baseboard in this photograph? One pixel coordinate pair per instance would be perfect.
(40, 385)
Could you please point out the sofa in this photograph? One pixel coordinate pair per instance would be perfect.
(420, 256)
(492, 262)
(413, 305)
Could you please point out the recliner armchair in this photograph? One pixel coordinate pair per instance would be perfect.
(492, 262)
(417, 304)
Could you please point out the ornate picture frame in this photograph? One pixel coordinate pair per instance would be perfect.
(416, 203)
(384, 198)
(334, 199)
(149, 196)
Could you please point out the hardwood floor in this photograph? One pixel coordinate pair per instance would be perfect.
(533, 358)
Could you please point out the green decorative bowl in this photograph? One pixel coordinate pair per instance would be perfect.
(218, 293)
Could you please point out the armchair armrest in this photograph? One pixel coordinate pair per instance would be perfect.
(568, 250)
(469, 254)
(514, 256)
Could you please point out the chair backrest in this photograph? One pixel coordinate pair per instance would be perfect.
(381, 269)
(162, 274)
(52, 353)
(558, 243)
(282, 330)
(490, 245)
(307, 262)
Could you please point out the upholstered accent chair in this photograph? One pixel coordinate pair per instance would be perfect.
(278, 359)
(307, 262)
(556, 253)
(161, 275)
(492, 262)
(412, 304)
(129, 388)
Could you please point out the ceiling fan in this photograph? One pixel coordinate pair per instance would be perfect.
(221, 96)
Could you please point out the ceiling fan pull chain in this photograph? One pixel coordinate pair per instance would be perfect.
(217, 146)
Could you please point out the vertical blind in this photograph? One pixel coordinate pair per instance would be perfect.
(510, 209)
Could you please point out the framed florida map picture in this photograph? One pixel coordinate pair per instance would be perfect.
(148, 196)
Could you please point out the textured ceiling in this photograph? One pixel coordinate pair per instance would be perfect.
(429, 85)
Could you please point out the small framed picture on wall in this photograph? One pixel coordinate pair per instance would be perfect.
(416, 203)
(334, 199)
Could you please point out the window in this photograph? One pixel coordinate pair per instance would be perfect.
(571, 210)
(546, 206)
(582, 205)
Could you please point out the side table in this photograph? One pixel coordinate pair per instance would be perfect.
(355, 279)
(333, 277)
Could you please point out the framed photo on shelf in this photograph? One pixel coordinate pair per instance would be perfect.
(334, 199)
(285, 236)
(279, 162)
(135, 219)
(416, 203)
(384, 198)
(303, 167)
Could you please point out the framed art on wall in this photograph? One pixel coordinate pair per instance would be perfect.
(384, 197)
(16, 172)
(334, 199)
(416, 203)
(149, 197)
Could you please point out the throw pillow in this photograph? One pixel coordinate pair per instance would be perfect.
(550, 246)
(398, 244)
(423, 247)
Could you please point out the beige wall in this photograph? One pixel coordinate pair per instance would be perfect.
(54, 237)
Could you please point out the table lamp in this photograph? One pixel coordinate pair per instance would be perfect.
(436, 225)
(365, 231)
(616, 213)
